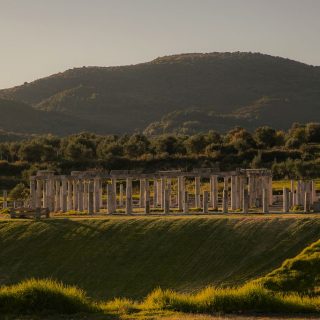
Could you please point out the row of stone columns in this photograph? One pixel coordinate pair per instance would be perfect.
(301, 194)
(82, 193)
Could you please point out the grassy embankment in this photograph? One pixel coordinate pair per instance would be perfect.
(255, 297)
(123, 256)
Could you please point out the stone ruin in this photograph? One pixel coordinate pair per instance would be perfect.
(166, 191)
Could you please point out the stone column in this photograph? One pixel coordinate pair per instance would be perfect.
(166, 207)
(90, 197)
(252, 198)
(245, 201)
(214, 192)
(162, 191)
(159, 188)
(233, 193)
(5, 199)
(225, 201)
(242, 184)
(45, 194)
(121, 196)
(80, 201)
(101, 194)
(294, 198)
(292, 202)
(155, 192)
(69, 196)
(110, 199)
(33, 196)
(147, 197)
(306, 202)
(142, 193)
(285, 200)
(169, 187)
(96, 190)
(74, 195)
(50, 195)
(265, 200)
(186, 202)
(299, 195)
(57, 196)
(129, 196)
(38, 193)
(205, 201)
(270, 191)
(64, 195)
(180, 191)
(85, 195)
(114, 185)
(197, 201)
(313, 192)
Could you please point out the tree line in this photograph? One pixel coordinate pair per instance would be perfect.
(291, 153)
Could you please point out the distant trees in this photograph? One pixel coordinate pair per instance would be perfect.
(265, 137)
(313, 132)
(291, 153)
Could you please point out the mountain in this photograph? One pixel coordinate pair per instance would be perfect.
(227, 89)
(20, 117)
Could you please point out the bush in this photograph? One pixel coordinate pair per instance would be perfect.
(300, 274)
(43, 296)
(250, 298)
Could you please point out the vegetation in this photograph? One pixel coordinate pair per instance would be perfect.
(290, 289)
(300, 274)
(290, 154)
(39, 296)
(49, 297)
(249, 298)
(129, 257)
(189, 92)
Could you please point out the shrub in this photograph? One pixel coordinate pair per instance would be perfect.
(43, 296)
(252, 297)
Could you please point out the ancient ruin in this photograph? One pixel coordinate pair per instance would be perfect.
(205, 190)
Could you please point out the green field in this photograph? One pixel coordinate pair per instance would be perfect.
(130, 256)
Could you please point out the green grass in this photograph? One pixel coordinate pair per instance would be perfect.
(131, 256)
(300, 274)
(35, 297)
(250, 298)
(266, 295)
(43, 296)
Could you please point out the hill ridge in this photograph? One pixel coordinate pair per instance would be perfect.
(219, 83)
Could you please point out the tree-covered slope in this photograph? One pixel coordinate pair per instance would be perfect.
(20, 117)
(122, 256)
(251, 88)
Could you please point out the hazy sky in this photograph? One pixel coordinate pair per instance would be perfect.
(41, 37)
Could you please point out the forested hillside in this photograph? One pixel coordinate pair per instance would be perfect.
(185, 93)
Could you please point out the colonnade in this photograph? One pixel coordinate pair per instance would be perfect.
(302, 193)
(163, 191)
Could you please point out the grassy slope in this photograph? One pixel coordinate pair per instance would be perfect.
(131, 256)
(299, 274)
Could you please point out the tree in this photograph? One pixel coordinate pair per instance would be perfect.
(19, 192)
(137, 145)
(313, 132)
(266, 137)
(168, 144)
(196, 144)
(297, 135)
(77, 151)
(241, 139)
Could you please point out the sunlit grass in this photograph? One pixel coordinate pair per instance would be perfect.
(36, 296)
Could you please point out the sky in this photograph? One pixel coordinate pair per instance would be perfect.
(42, 37)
